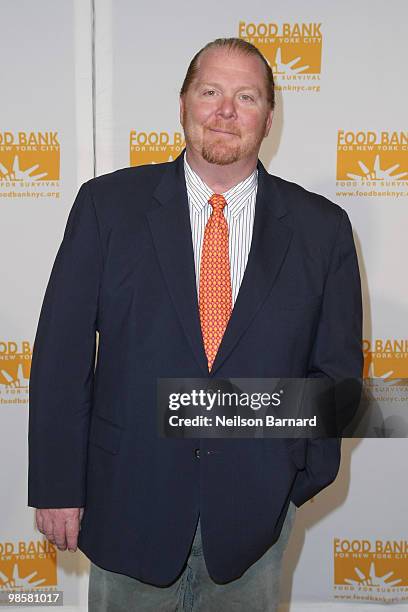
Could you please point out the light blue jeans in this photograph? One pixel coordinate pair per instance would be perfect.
(257, 590)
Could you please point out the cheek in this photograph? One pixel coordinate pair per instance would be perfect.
(202, 112)
(253, 124)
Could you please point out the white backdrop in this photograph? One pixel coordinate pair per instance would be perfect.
(89, 89)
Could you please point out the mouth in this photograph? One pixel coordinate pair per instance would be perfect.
(219, 131)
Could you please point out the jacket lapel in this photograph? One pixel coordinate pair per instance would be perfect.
(171, 230)
(270, 243)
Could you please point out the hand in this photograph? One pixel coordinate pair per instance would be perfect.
(60, 526)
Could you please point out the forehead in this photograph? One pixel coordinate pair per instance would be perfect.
(235, 67)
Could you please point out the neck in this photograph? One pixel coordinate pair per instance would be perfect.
(220, 178)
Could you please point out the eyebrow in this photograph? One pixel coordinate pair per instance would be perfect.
(240, 88)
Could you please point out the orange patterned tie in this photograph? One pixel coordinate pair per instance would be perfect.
(215, 295)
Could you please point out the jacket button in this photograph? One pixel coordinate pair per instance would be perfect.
(197, 453)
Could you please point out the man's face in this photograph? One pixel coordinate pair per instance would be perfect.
(225, 112)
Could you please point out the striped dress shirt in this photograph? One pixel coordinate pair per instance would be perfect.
(239, 213)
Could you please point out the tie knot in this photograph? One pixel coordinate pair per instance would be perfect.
(218, 202)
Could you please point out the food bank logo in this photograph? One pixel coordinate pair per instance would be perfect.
(15, 365)
(28, 564)
(374, 160)
(29, 157)
(372, 156)
(378, 568)
(386, 358)
(293, 50)
(154, 147)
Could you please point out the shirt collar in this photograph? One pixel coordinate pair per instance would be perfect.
(237, 197)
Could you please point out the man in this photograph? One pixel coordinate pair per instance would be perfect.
(204, 267)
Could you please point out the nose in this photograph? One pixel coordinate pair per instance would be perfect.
(226, 108)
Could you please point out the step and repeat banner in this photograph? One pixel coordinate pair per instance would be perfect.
(46, 151)
(90, 87)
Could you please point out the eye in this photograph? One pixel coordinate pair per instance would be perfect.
(209, 92)
(247, 98)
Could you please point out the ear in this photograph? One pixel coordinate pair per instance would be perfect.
(268, 123)
(181, 100)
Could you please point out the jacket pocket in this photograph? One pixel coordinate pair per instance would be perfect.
(105, 434)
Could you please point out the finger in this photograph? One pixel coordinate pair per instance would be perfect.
(50, 537)
(71, 531)
(48, 530)
(59, 535)
(39, 519)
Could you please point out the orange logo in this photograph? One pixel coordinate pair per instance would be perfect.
(27, 565)
(373, 570)
(373, 163)
(386, 358)
(29, 157)
(372, 156)
(15, 364)
(293, 50)
(154, 147)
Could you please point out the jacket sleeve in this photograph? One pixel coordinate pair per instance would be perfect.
(62, 368)
(336, 355)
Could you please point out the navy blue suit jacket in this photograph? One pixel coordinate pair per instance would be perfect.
(125, 268)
